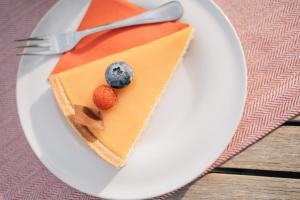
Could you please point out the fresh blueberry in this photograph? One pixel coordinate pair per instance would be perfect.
(118, 74)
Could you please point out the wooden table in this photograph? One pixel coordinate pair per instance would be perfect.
(269, 169)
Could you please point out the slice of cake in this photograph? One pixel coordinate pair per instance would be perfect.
(152, 51)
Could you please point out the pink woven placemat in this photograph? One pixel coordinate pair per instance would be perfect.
(269, 31)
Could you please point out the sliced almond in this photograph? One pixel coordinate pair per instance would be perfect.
(88, 117)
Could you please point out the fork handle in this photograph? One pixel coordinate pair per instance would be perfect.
(167, 12)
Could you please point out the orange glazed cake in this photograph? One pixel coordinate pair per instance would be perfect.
(112, 132)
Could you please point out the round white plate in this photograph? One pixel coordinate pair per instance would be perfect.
(189, 129)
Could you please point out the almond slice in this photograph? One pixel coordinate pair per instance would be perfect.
(88, 117)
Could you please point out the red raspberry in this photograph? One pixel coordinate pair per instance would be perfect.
(104, 97)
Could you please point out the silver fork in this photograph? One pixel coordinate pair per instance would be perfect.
(62, 42)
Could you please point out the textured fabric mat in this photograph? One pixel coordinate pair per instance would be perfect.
(269, 32)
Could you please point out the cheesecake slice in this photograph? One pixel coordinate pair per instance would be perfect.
(152, 63)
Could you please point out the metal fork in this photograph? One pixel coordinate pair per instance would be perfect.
(62, 42)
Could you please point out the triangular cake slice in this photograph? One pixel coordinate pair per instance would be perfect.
(152, 63)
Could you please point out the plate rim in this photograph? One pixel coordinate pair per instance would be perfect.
(60, 174)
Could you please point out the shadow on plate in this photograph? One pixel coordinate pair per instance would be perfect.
(30, 63)
(63, 152)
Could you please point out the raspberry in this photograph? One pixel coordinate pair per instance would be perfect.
(104, 97)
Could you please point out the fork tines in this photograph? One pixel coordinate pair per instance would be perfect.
(29, 39)
(40, 44)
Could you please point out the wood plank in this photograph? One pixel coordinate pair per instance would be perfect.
(224, 186)
(297, 118)
(279, 151)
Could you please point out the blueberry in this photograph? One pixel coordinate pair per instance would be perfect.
(118, 74)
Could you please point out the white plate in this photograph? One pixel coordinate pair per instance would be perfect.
(193, 123)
